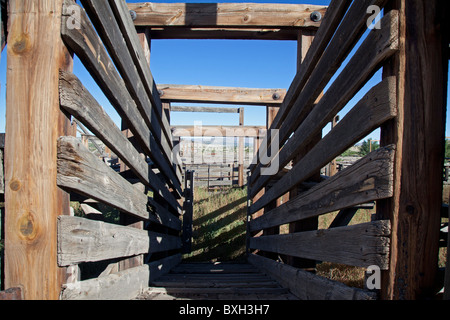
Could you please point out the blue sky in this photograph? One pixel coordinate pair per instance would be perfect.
(234, 63)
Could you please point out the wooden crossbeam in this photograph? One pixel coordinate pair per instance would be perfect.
(243, 15)
(218, 131)
(221, 95)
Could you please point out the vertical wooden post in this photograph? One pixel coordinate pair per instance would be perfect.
(241, 150)
(421, 69)
(36, 53)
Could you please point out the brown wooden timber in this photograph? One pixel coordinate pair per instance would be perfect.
(33, 122)
(369, 179)
(218, 131)
(223, 95)
(89, 48)
(360, 245)
(225, 15)
(421, 69)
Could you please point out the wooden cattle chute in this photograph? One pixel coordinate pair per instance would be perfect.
(46, 167)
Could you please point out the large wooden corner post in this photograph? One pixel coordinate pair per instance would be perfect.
(34, 122)
(421, 69)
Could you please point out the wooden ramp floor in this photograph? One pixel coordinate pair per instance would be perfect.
(216, 281)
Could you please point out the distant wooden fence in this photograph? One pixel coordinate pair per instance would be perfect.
(404, 176)
(147, 241)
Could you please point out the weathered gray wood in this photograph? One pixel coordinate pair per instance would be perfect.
(377, 47)
(359, 245)
(83, 240)
(306, 285)
(2, 177)
(225, 15)
(367, 115)
(85, 42)
(77, 100)
(447, 268)
(369, 179)
(81, 171)
(124, 285)
(218, 131)
(109, 31)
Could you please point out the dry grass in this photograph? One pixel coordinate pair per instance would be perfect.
(219, 225)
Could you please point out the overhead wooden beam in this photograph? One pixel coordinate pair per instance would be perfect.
(222, 95)
(218, 131)
(242, 15)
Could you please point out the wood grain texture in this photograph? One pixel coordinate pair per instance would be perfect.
(369, 179)
(359, 245)
(124, 285)
(223, 95)
(306, 285)
(225, 14)
(81, 171)
(82, 240)
(33, 124)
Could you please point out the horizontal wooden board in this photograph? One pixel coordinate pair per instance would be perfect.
(224, 33)
(306, 285)
(82, 240)
(124, 285)
(361, 245)
(219, 131)
(369, 179)
(203, 109)
(81, 171)
(222, 95)
(225, 14)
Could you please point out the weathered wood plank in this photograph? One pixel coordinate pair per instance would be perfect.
(124, 285)
(306, 285)
(225, 15)
(377, 47)
(223, 95)
(85, 42)
(83, 240)
(447, 267)
(81, 171)
(359, 245)
(76, 99)
(218, 131)
(367, 115)
(369, 179)
(33, 124)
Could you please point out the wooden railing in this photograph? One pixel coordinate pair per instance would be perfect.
(145, 242)
(399, 106)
